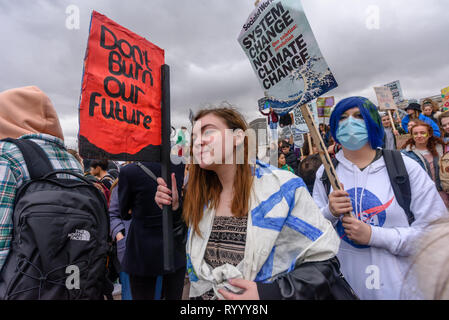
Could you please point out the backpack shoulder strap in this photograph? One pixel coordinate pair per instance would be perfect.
(108, 177)
(400, 181)
(325, 178)
(147, 171)
(36, 159)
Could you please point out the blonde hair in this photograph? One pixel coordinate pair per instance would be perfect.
(429, 270)
(434, 105)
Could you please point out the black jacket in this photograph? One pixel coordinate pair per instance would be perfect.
(144, 244)
(292, 161)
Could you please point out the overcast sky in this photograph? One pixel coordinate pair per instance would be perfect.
(207, 63)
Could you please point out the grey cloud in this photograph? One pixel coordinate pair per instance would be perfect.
(207, 63)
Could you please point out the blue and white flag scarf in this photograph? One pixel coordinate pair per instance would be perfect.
(285, 227)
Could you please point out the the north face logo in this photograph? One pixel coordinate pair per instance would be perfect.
(80, 235)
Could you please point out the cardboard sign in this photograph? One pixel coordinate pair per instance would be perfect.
(120, 104)
(287, 131)
(327, 112)
(320, 105)
(324, 106)
(445, 96)
(284, 54)
(298, 138)
(396, 91)
(385, 99)
(300, 122)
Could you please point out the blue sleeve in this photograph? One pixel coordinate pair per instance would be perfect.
(116, 222)
(436, 129)
(124, 194)
(404, 123)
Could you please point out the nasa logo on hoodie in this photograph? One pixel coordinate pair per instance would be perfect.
(368, 209)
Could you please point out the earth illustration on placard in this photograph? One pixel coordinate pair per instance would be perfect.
(367, 208)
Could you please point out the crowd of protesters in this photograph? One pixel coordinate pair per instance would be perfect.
(257, 231)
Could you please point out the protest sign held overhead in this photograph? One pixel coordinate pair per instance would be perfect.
(396, 91)
(287, 131)
(324, 106)
(284, 54)
(298, 138)
(300, 122)
(120, 105)
(385, 98)
(320, 104)
(445, 96)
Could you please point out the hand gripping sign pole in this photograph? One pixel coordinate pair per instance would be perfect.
(393, 126)
(167, 219)
(322, 150)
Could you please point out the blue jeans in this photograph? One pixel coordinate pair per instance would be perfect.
(126, 288)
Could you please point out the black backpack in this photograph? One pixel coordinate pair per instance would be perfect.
(61, 243)
(399, 180)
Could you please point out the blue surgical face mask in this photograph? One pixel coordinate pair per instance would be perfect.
(352, 133)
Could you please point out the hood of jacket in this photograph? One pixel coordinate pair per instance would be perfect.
(27, 110)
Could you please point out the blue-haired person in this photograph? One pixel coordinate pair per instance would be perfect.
(379, 237)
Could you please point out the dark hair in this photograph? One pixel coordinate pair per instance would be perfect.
(305, 147)
(103, 164)
(279, 155)
(285, 144)
(308, 168)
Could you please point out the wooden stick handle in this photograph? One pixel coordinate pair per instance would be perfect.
(398, 115)
(393, 127)
(322, 150)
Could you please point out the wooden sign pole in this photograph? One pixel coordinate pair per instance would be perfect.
(322, 150)
(397, 115)
(393, 127)
(309, 140)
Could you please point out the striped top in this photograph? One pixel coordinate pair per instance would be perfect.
(226, 244)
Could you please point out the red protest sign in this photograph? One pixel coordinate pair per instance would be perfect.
(120, 105)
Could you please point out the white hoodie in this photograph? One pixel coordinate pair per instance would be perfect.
(376, 271)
